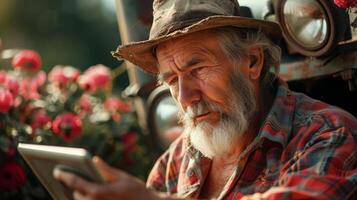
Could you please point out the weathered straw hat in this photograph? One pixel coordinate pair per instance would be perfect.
(175, 18)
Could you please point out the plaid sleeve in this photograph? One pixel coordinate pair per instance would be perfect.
(324, 167)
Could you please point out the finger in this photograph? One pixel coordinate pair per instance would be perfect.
(79, 196)
(74, 182)
(109, 173)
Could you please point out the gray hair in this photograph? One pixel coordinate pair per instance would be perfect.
(235, 42)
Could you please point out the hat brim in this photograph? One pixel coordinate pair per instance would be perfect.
(141, 54)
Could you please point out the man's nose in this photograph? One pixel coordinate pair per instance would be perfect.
(189, 92)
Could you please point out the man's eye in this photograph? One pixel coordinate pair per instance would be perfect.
(197, 71)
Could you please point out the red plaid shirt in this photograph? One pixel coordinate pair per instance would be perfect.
(305, 149)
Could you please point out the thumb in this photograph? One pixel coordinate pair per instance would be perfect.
(109, 173)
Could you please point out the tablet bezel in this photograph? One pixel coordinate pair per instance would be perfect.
(42, 157)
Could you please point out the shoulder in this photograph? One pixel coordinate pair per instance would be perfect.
(309, 110)
(315, 120)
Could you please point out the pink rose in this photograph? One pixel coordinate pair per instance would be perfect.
(346, 3)
(67, 125)
(95, 77)
(3, 76)
(39, 79)
(13, 85)
(85, 104)
(27, 60)
(114, 106)
(6, 100)
(12, 175)
(9, 82)
(61, 75)
(29, 85)
(87, 83)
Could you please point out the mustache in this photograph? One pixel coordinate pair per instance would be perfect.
(197, 109)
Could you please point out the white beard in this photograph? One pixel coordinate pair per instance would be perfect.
(219, 139)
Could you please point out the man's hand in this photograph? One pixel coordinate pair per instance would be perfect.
(119, 184)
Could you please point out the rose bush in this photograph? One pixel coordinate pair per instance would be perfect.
(67, 108)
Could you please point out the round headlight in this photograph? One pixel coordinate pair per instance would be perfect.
(311, 27)
(162, 117)
(307, 22)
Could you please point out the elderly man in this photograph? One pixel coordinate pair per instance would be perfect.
(247, 136)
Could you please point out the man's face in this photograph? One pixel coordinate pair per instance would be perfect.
(200, 76)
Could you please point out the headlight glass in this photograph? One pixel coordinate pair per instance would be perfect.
(306, 22)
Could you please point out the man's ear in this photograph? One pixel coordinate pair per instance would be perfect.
(256, 58)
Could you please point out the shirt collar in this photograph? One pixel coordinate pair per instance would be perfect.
(278, 123)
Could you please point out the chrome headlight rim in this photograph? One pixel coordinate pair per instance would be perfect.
(154, 99)
(328, 43)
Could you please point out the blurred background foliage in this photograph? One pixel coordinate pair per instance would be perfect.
(80, 33)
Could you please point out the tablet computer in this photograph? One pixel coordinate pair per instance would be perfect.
(42, 159)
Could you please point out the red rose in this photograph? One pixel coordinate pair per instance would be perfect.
(97, 76)
(129, 140)
(346, 3)
(40, 119)
(129, 144)
(67, 125)
(27, 60)
(12, 175)
(61, 75)
(6, 100)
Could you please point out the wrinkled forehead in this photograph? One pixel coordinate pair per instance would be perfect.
(186, 52)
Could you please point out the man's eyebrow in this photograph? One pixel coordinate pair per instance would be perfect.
(191, 62)
(163, 76)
